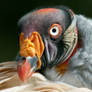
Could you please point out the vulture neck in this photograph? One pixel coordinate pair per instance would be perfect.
(70, 35)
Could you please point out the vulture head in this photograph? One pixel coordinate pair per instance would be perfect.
(47, 38)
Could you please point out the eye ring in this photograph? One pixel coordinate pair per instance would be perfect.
(55, 31)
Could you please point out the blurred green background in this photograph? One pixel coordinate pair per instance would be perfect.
(12, 10)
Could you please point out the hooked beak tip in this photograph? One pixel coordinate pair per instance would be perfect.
(24, 71)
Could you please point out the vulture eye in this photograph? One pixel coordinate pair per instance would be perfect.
(55, 31)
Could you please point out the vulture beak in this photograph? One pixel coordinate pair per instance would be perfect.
(26, 68)
(31, 48)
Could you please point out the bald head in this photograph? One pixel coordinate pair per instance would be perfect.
(41, 19)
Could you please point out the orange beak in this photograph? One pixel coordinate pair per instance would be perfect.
(26, 68)
(24, 71)
(31, 49)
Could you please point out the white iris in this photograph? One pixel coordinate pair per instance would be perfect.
(54, 31)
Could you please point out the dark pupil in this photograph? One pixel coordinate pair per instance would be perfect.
(53, 30)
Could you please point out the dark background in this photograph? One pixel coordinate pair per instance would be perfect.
(12, 10)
